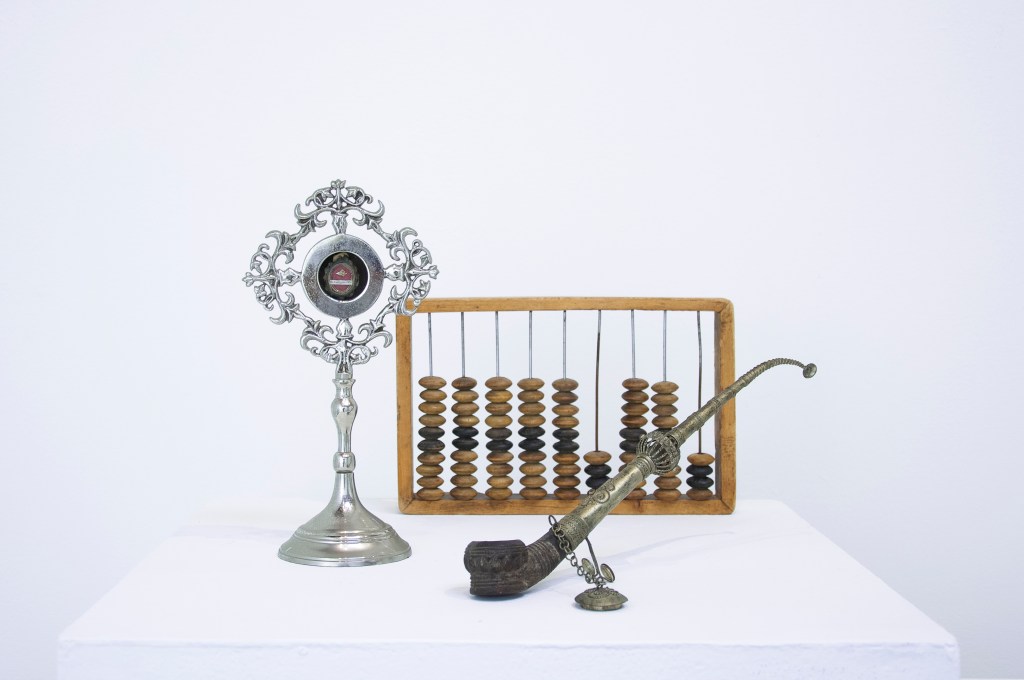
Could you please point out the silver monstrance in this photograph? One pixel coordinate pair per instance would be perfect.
(342, 276)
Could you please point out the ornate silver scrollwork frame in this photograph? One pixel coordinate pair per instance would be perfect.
(337, 343)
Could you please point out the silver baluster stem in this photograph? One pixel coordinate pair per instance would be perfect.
(344, 409)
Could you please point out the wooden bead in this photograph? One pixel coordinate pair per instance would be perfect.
(700, 494)
(498, 421)
(567, 470)
(533, 469)
(532, 421)
(431, 407)
(504, 481)
(635, 384)
(665, 422)
(499, 396)
(430, 420)
(464, 383)
(431, 445)
(498, 382)
(634, 421)
(432, 395)
(498, 409)
(636, 409)
(700, 459)
(530, 384)
(668, 482)
(565, 384)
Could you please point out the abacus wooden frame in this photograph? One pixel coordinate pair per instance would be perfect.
(722, 503)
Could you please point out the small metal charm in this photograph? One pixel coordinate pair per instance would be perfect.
(342, 276)
(600, 598)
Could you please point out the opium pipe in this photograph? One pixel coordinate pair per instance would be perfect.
(509, 567)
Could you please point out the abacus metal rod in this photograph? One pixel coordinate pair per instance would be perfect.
(462, 331)
(700, 379)
(430, 344)
(664, 345)
(530, 344)
(563, 344)
(497, 347)
(597, 386)
(632, 338)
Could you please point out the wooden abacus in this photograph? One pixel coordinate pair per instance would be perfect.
(532, 486)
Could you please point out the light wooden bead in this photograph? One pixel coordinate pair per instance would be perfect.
(432, 420)
(498, 421)
(531, 421)
(700, 459)
(665, 422)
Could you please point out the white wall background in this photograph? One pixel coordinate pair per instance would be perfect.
(848, 174)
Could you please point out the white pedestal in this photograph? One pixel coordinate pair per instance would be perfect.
(758, 594)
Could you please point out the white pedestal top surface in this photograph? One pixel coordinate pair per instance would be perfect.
(756, 594)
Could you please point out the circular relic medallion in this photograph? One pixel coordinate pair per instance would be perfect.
(342, 276)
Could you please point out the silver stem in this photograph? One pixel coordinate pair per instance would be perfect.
(344, 409)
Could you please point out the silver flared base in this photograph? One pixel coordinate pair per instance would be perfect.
(344, 534)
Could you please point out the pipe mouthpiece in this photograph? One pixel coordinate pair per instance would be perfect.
(810, 370)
